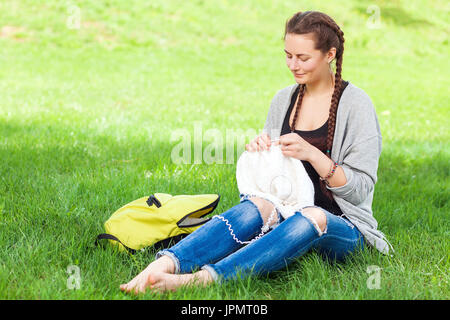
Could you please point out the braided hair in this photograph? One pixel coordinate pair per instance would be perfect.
(327, 34)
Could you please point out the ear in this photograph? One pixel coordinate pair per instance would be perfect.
(331, 54)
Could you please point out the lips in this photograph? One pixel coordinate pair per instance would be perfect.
(299, 74)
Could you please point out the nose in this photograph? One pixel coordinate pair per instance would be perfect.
(293, 64)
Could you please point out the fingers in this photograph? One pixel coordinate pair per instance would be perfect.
(252, 146)
(261, 142)
(265, 139)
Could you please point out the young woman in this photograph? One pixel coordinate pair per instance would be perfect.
(331, 126)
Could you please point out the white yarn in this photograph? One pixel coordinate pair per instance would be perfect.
(281, 180)
(264, 229)
(270, 175)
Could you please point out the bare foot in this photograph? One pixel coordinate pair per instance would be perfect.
(162, 265)
(165, 281)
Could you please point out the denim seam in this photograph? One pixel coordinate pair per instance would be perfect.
(357, 242)
(343, 216)
(349, 223)
(341, 238)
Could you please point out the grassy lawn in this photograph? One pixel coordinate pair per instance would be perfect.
(91, 94)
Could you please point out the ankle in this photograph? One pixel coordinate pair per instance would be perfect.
(204, 276)
(168, 263)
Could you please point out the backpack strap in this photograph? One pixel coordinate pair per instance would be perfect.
(111, 237)
(152, 200)
(163, 244)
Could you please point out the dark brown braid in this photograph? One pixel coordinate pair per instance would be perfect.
(327, 35)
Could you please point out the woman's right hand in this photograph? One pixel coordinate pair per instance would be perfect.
(261, 142)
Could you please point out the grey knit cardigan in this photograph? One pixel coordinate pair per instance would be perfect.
(356, 148)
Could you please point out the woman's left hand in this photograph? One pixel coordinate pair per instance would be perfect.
(292, 145)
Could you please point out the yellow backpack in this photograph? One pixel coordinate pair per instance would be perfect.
(157, 220)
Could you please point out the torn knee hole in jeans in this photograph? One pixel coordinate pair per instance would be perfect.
(312, 219)
(272, 220)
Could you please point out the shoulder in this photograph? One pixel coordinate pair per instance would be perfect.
(278, 107)
(356, 100)
(280, 101)
(353, 97)
(284, 93)
(357, 111)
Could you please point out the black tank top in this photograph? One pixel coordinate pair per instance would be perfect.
(318, 139)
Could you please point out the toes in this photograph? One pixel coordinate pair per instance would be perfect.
(157, 283)
(152, 279)
(140, 284)
(142, 287)
(128, 286)
(158, 288)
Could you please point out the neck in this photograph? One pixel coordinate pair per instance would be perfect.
(321, 87)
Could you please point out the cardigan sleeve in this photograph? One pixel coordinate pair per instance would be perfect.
(360, 166)
(360, 158)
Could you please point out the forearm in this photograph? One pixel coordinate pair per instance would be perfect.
(322, 164)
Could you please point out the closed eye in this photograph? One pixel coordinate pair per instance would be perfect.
(289, 57)
(298, 55)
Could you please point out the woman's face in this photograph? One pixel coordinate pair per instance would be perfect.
(306, 63)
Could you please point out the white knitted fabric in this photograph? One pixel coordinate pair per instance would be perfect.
(270, 175)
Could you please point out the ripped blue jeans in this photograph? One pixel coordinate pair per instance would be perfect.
(213, 248)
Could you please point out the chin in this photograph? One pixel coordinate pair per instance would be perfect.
(300, 81)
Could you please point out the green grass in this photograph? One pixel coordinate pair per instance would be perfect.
(86, 117)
